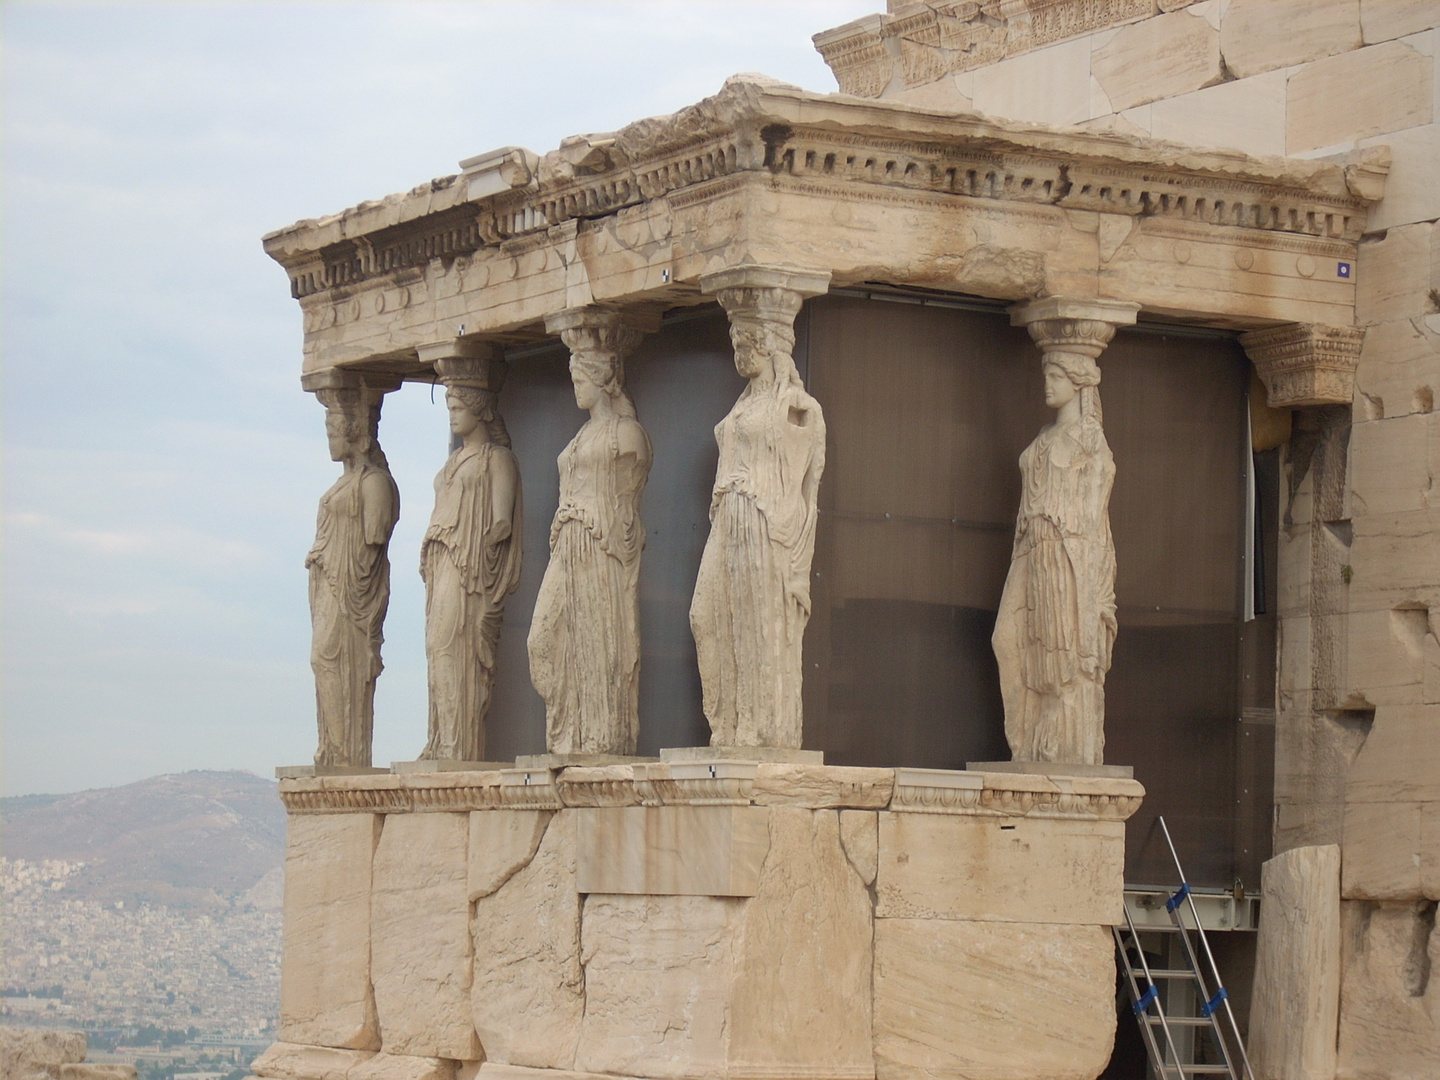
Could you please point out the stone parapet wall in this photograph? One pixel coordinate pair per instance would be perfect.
(710, 918)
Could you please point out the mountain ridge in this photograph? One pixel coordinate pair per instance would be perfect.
(194, 840)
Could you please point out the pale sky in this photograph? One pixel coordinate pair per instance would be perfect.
(161, 464)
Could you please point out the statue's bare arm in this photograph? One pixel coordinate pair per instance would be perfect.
(379, 508)
(504, 482)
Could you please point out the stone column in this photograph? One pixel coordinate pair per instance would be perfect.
(470, 557)
(584, 640)
(752, 595)
(1056, 624)
(349, 568)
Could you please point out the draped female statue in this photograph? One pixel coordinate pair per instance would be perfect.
(752, 595)
(350, 577)
(585, 635)
(470, 561)
(1056, 624)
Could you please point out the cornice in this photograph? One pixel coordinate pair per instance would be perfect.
(828, 146)
(719, 783)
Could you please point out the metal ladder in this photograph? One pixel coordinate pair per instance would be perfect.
(1156, 1028)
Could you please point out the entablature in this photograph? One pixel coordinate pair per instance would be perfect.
(866, 191)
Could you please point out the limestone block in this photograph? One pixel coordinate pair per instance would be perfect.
(89, 1071)
(325, 995)
(1158, 58)
(1381, 666)
(992, 1000)
(1047, 86)
(1395, 274)
(501, 842)
(819, 786)
(777, 985)
(291, 1061)
(27, 1053)
(1430, 850)
(860, 835)
(403, 1067)
(657, 972)
(1399, 369)
(801, 1001)
(1026, 870)
(1400, 758)
(528, 996)
(1335, 101)
(672, 850)
(494, 1070)
(1383, 853)
(1381, 20)
(420, 937)
(1296, 995)
(1389, 993)
(1247, 114)
(1260, 35)
(1412, 191)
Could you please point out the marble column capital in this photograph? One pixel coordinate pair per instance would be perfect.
(611, 332)
(765, 293)
(469, 362)
(339, 388)
(1305, 364)
(1072, 324)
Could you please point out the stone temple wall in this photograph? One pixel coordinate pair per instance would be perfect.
(1358, 710)
(700, 919)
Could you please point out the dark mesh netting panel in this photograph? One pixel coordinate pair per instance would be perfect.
(928, 410)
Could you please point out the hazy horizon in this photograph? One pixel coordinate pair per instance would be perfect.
(162, 464)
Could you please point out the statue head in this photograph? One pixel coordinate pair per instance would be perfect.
(764, 346)
(352, 424)
(1068, 374)
(470, 408)
(596, 373)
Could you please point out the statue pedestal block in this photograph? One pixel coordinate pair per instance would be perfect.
(291, 772)
(425, 765)
(1053, 768)
(780, 754)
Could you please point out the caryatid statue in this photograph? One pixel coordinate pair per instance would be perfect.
(470, 558)
(1056, 624)
(350, 572)
(585, 634)
(752, 595)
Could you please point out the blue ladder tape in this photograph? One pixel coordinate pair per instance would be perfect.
(1145, 1000)
(1176, 900)
(1208, 1009)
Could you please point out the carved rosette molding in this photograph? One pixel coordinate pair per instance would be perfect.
(929, 40)
(1305, 364)
(711, 783)
(1070, 325)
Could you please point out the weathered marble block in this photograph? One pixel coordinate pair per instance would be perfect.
(1006, 869)
(775, 985)
(672, 850)
(420, 937)
(992, 1001)
(1389, 992)
(1296, 992)
(292, 1061)
(528, 996)
(325, 995)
